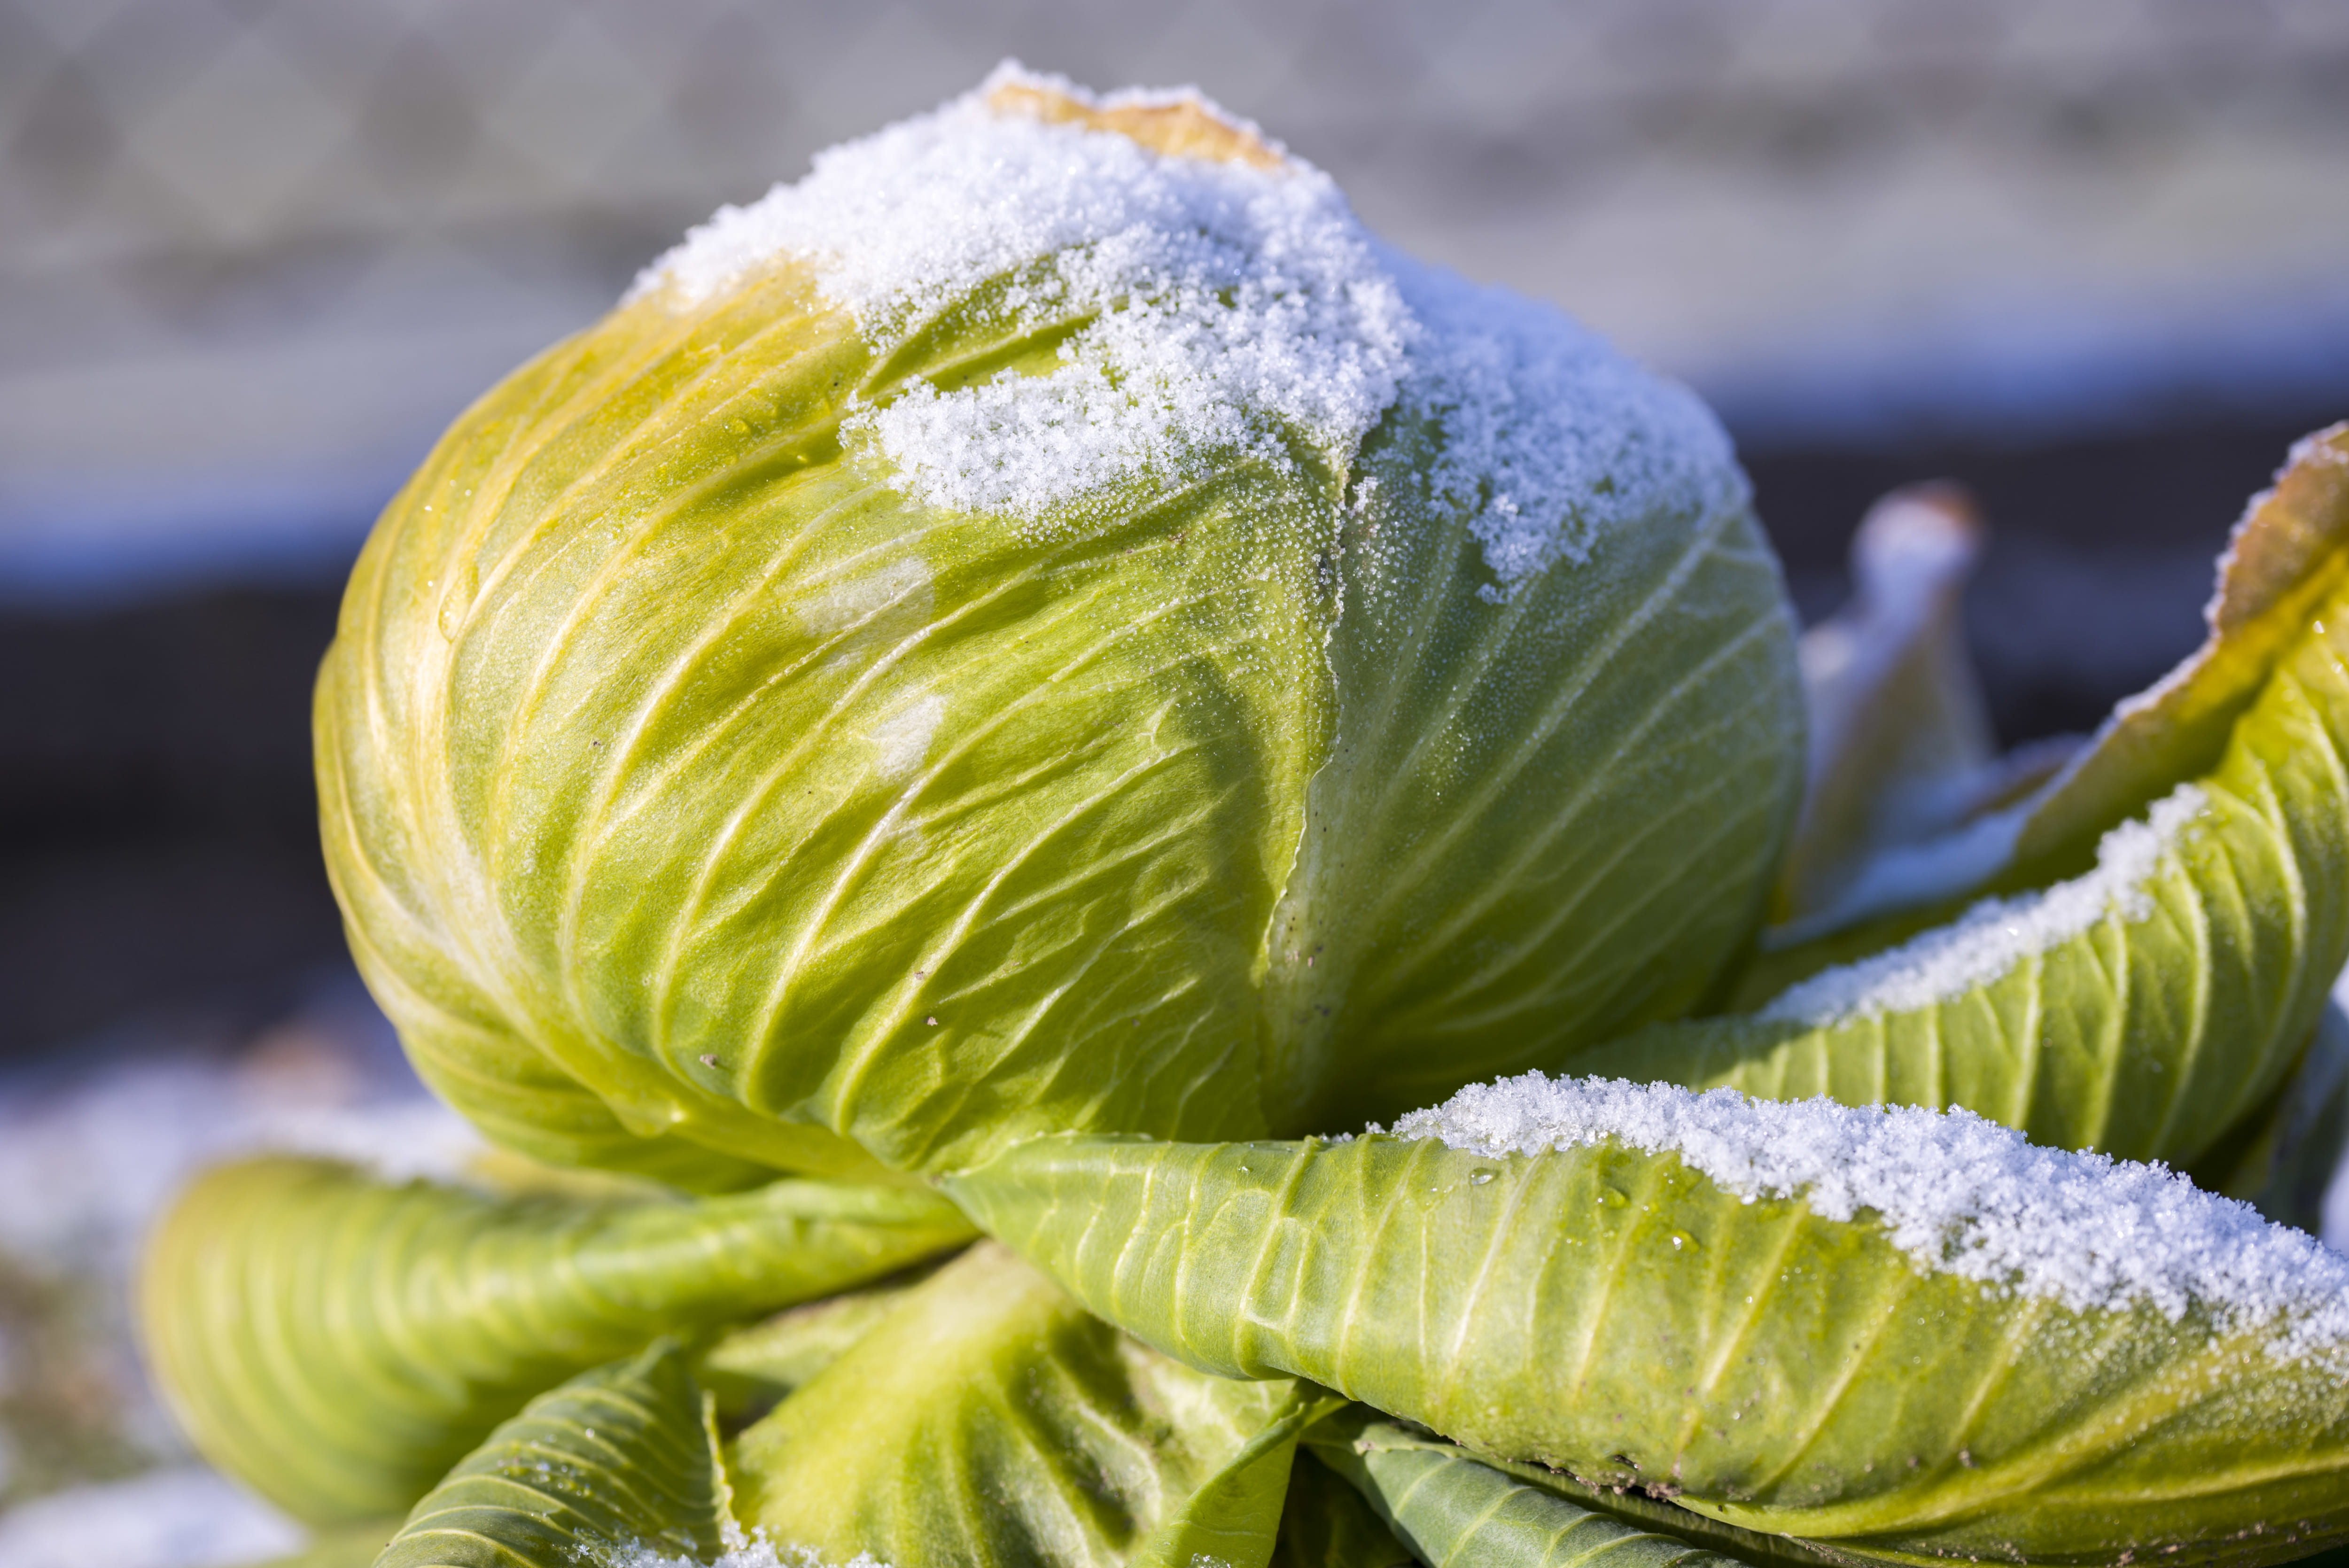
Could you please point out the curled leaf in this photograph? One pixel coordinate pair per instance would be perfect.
(616, 1464)
(1453, 1508)
(1900, 740)
(338, 1342)
(990, 1420)
(2041, 1355)
(2146, 1007)
(2286, 560)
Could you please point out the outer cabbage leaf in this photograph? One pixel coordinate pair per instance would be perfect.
(2288, 554)
(1233, 1516)
(336, 1342)
(1900, 743)
(619, 1460)
(698, 803)
(2286, 557)
(990, 1420)
(1448, 1493)
(1542, 823)
(1615, 1314)
(1453, 1510)
(2153, 1032)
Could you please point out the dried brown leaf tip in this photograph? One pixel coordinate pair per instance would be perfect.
(1179, 127)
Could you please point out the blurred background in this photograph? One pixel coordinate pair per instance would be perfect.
(2091, 259)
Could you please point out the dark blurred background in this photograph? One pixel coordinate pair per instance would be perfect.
(2092, 259)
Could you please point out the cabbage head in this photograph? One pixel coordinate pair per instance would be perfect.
(1045, 625)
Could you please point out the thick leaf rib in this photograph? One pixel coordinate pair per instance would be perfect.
(336, 1342)
(1615, 1314)
(618, 1462)
(2155, 1031)
(1541, 824)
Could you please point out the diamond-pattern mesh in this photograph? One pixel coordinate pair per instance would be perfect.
(185, 137)
(208, 207)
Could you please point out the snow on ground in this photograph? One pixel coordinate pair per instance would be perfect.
(93, 1142)
(174, 1516)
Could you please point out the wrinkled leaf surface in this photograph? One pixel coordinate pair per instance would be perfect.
(1614, 1315)
(615, 1462)
(2158, 1028)
(991, 1421)
(338, 1342)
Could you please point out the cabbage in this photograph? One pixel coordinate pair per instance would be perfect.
(1039, 680)
(1021, 632)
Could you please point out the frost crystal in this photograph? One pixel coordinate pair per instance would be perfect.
(1955, 1192)
(1996, 935)
(1551, 439)
(1202, 309)
(742, 1549)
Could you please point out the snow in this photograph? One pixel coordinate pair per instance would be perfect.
(1994, 936)
(1224, 303)
(750, 1549)
(1551, 439)
(182, 1517)
(1957, 1194)
(93, 1143)
(1214, 309)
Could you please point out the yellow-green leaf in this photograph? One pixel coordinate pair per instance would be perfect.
(619, 1462)
(2028, 1354)
(989, 1421)
(338, 1342)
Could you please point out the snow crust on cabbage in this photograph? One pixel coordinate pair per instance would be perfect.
(1957, 1194)
(1223, 309)
(1990, 939)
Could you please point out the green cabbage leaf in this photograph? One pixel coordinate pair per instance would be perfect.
(2175, 1012)
(989, 1419)
(731, 765)
(752, 1368)
(1327, 1523)
(1616, 1313)
(336, 1342)
(1456, 1510)
(618, 1465)
(2173, 1015)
